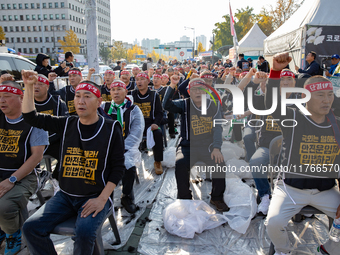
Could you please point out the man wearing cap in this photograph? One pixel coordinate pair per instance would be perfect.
(263, 65)
(125, 77)
(200, 140)
(131, 119)
(22, 148)
(335, 63)
(150, 104)
(53, 105)
(88, 174)
(314, 141)
(67, 93)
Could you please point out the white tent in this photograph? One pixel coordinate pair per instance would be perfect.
(252, 43)
(314, 26)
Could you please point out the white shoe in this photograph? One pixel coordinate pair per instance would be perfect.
(281, 253)
(264, 205)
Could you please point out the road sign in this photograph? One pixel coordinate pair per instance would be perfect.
(189, 50)
(60, 50)
(181, 53)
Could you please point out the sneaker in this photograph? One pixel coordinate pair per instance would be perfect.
(2, 236)
(264, 205)
(127, 203)
(158, 167)
(220, 205)
(321, 251)
(13, 243)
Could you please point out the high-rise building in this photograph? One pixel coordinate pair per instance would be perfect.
(184, 38)
(201, 39)
(135, 42)
(31, 28)
(149, 44)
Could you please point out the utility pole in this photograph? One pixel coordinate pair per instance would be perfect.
(42, 26)
(91, 34)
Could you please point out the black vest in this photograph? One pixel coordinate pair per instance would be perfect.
(131, 86)
(161, 92)
(84, 163)
(126, 117)
(14, 145)
(105, 92)
(269, 131)
(69, 100)
(146, 103)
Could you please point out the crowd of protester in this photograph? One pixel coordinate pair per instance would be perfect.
(133, 112)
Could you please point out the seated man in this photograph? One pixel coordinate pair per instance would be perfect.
(150, 104)
(109, 77)
(22, 148)
(89, 172)
(312, 142)
(132, 121)
(200, 141)
(53, 105)
(67, 93)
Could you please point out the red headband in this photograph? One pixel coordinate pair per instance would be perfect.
(196, 83)
(165, 75)
(111, 72)
(243, 73)
(207, 76)
(118, 83)
(158, 76)
(287, 74)
(10, 89)
(325, 85)
(143, 75)
(124, 72)
(204, 67)
(75, 72)
(88, 87)
(43, 80)
(135, 68)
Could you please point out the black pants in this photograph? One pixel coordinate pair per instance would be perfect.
(171, 122)
(158, 148)
(128, 180)
(54, 151)
(182, 172)
(237, 130)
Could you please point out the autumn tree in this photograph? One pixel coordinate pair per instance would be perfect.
(2, 34)
(71, 42)
(245, 21)
(265, 22)
(131, 53)
(118, 51)
(154, 56)
(200, 48)
(283, 10)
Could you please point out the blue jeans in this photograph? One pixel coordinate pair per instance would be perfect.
(249, 139)
(59, 208)
(260, 158)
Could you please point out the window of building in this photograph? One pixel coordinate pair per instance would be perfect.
(14, 6)
(31, 50)
(32, 6)
(11, 29)
(7, 40)
(51, 16)
(48, 50)
(73, 18)
(8, 6)
(17, 29)
(33, 17)
(52, 28)
(45, 16)
(64, 27)
(40, 39)
(27, 17)
(44, 5)
(72, 6)
(19, 49)
(50, 5)
(70, 27)
(52, 39)
(39, 28)
(12, 40)
(29, 39)
(5, 29)
(47, 39)
(18, 39)
(21, 17)
(57, 16)
(46, 28)
(62, 4)
(58, 38)
(26, 6)
(56, 5)
(25, 50)
(24, 39)
(38, 6)
(16, 17)
(35, 39)
(22, 29)
(4, 17)
(39, 17)
(9, 17)
(62, 16)
(36, 50)
(20, 6)
(2, 6)
(70, 17)
(35, 28)
(28, 28)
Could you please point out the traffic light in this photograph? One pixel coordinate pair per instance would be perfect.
(178, 48)
(167, 48)
(156, 48)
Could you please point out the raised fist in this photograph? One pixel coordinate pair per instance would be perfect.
(281, 60)
(6, 77)
(29, 77)
(63, 65)
(52, 76)
(260, 77)
(92, 70)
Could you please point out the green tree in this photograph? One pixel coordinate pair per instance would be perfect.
(245, 20)
(104, 52)
(283, 10)
(71, 42)
(2, 34)
(118, 51)
(265, 22)
(222, 33)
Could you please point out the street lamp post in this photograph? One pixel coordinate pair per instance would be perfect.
(193, 40)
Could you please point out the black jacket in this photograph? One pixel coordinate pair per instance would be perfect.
(40, 69)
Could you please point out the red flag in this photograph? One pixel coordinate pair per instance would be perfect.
(232, 28)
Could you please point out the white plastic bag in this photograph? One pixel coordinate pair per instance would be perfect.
(169, 159)
(235, 168)
(231, 150)
(184, 218)
(242, 203)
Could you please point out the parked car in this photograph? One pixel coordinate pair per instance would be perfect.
(130, 66)
(13, 64)
(95, 77)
